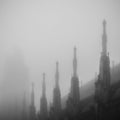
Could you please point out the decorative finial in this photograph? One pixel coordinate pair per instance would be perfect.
(75, 62)
(57, 74)
(104, 38)
(75, 49)
(57, 65)
(104, 26)
(43, 86)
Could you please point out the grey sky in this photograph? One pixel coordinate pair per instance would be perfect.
(47, 30)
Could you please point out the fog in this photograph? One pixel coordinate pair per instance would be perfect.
(41, 32)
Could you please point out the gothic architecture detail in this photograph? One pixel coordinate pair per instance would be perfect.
(57, 94)
(75, 94)
(103, 82)
(43, 102)
(32, 106)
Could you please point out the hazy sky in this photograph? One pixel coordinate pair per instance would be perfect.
(47, 31)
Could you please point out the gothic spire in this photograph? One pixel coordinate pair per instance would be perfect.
(57, 75)
(56, 92)
(43, 104)
(75, 63)
(32, 95)
(75, 93)
(43, 86)
(104, 38)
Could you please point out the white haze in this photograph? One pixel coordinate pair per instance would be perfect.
(47, 30)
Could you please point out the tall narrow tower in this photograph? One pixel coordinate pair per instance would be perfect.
(103, 82)
(32, 106)
(57, 94)
(75, 93)
(104, 61)
(75, 63)
(43, 104)
(104, 39)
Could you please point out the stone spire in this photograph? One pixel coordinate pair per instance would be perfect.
(43, 103)
(57, 75)
(75, 63)
(56, 92)
(75, 91)
(32, 95)
(103, 81)
(104, 38)
(104, 61)
(43, 86)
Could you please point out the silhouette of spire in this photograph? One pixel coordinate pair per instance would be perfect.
(43, 86)
(104, 38)
(56, 92)
(105, 62)
(57, 75)
(102, 84)
(75, 62)
(75, 93)
(43, 104)
(32, 95)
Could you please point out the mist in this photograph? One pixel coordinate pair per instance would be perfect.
(36, 34)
